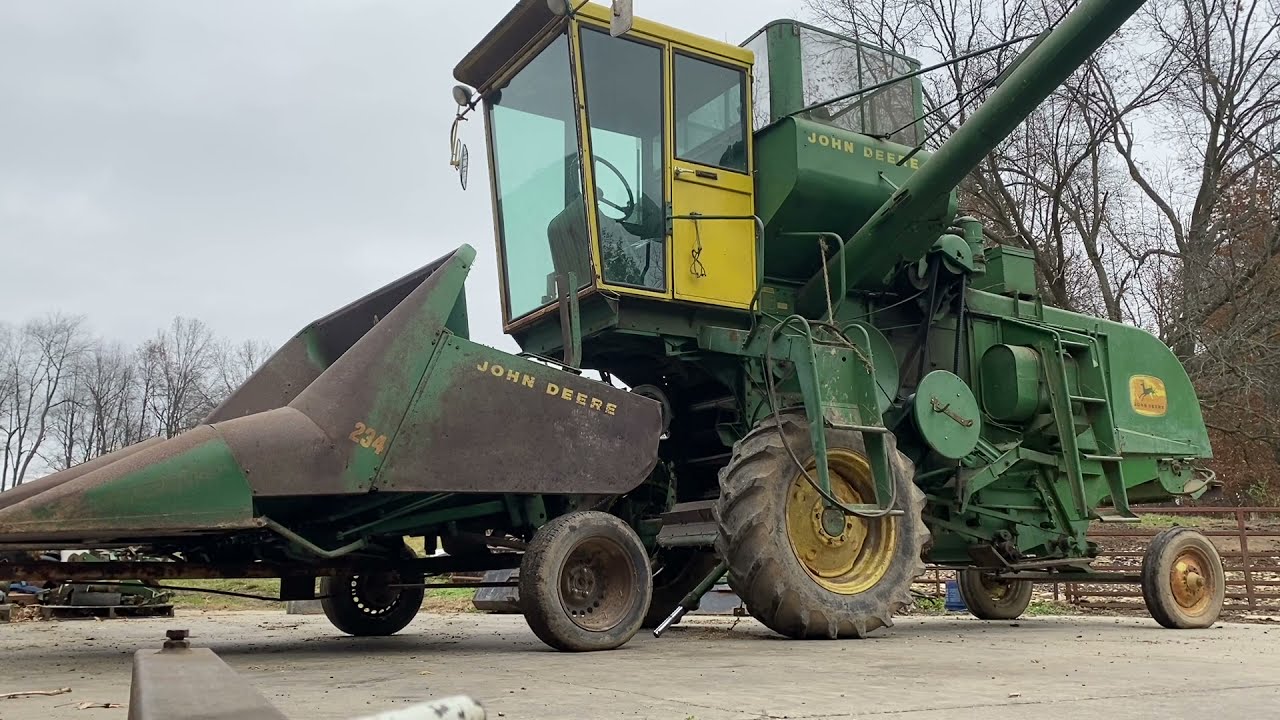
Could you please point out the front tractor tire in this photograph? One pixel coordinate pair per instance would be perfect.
(1183, 582)
(989, 598)
(791, 574)
(585, 582)
(366, 605)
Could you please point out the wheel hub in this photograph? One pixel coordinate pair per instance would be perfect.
(582, 582)
(845, 554)
(997, 589)
(373, 595)
(594, 585)
(1189, 580)
(833, 522)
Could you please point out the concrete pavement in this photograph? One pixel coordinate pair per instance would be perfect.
(707, 669)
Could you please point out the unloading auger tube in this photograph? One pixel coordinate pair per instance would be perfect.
(915, 215)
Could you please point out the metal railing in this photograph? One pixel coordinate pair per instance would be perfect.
(1247, 538)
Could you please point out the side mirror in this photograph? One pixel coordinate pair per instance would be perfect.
(559, 8)
(462, 161)
(459, 158)
(623, 18)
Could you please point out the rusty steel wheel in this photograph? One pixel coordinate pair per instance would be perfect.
(585, 582)
(365, 604)
(1183, 582)
(989, 598)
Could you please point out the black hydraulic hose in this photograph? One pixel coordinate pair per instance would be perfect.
(961, 330)
(935, 269)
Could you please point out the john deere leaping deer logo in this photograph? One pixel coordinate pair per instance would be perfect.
(1147, 395)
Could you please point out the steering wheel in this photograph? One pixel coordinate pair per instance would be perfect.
(630, 206)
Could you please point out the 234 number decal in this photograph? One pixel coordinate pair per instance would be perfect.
(367, 437)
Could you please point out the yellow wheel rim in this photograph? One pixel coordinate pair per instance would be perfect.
(858, 557)
(1191, 581)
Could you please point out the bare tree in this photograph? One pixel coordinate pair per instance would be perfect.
(236, 362)
(180, 363)
(66, 398)
(99, 409)
(40, 362)
(1223, 107)
(1053, 186)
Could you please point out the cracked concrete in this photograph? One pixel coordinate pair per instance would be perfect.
(708, 669)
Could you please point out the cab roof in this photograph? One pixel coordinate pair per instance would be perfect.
(530, 21)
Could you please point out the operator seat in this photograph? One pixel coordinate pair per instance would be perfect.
(570, 245)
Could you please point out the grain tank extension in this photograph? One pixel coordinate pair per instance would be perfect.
(855, 379)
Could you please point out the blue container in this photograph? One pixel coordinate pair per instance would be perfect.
(954, 603)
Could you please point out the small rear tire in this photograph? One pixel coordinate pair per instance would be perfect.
(1183, 582)
(990, 599)
(585, 582)
(364, 605)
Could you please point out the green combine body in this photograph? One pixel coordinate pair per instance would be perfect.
(831, 379)
(844, 307)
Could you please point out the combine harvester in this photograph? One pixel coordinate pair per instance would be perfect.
(833, 379)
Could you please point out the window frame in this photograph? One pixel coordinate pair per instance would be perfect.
(509, 320)
(744, 87)
(666, 100)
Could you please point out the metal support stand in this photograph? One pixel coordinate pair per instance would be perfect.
(690, 602)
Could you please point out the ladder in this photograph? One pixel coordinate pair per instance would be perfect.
(1093, 393)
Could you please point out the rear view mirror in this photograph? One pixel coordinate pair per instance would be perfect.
(622, 18)
(462, 162)
(459, 158)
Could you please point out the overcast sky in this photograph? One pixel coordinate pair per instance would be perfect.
(252, 163)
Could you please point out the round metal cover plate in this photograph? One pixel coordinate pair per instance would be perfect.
(885, 361)
(947, 414)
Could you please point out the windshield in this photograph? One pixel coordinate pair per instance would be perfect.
(834, 66)
(624, 97)
(830, 66)
(541, 216)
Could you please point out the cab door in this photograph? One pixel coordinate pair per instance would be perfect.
(713, 259)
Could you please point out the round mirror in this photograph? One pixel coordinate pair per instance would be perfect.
(462, 95)
(558, 7)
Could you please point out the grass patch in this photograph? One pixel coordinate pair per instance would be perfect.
(1037, 608)
(1050, 607)
(1155, 520)
(205, 601)
(449, 600)
(418, 545)
(929, 605)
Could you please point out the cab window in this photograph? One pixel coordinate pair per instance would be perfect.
(711, 123)
(624, 99)
(538, 181)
